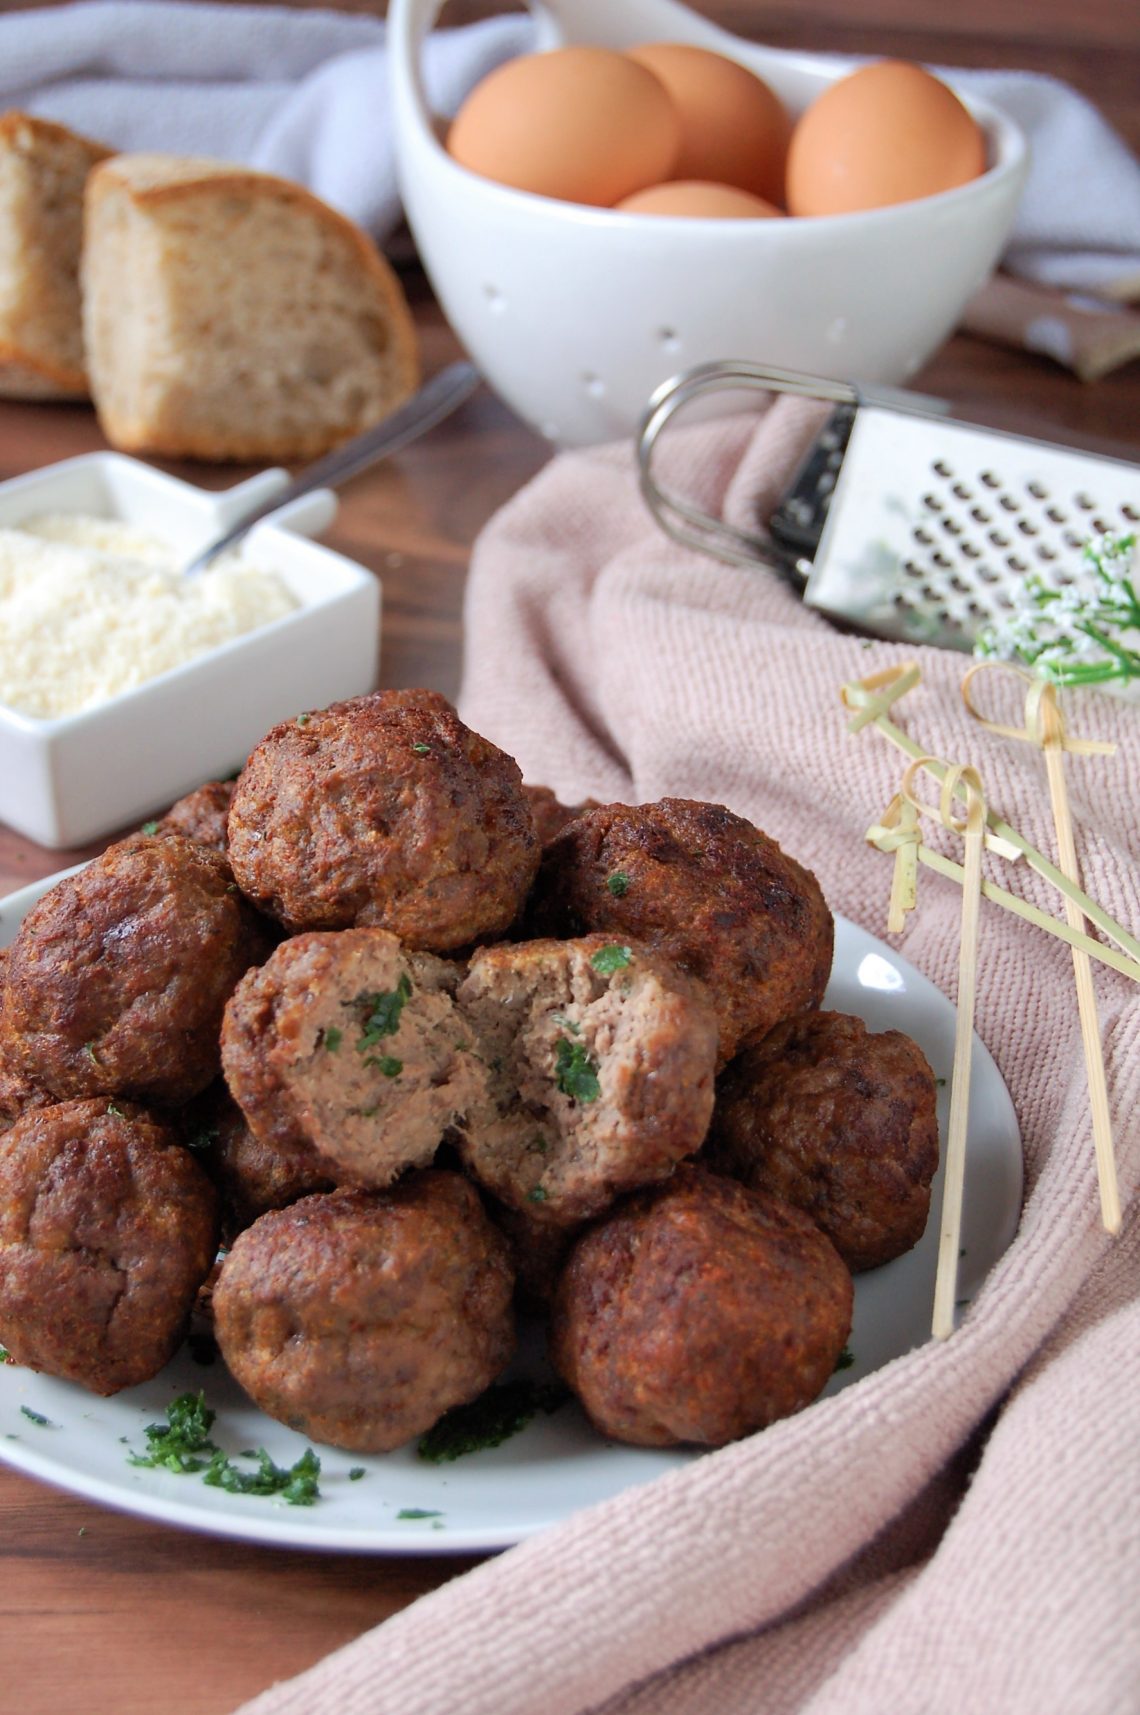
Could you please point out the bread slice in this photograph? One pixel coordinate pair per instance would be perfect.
(43, 168)
(229, 314)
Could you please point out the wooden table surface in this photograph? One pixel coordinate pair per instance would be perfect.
(112, 1614)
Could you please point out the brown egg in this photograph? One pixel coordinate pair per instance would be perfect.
(583, 124)
(734, 129)
(701, 200)
(887, 133)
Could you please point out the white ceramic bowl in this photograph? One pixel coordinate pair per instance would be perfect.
(576, 314)
(66, 781)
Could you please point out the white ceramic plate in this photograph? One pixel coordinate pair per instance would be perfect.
(491, 1499)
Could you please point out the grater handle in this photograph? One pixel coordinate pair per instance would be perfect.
(678, 517)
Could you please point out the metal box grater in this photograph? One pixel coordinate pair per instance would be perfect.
(903, 523)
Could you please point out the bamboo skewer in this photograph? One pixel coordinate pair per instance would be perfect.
(1044, 726)
(871, 700)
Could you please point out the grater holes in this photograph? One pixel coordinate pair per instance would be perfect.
(922, 536)
(1037, 490)
(952, 526)
(971, 550)
(932, 502)
(1083, 502)
(1072, 540)
(980, 515)
(961, 492)
(941, 468)
(941, 560)
(1016, 563)
(989, 480)
(1027, 527)
(1055, 515)
(1099, 524)
(999, 538)
(987, 575)
(1130, 514)
(959, 585)
(1045, 552)
(912, 570)
(1008, 503)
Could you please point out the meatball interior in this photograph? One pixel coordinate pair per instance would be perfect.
(107, 1230)
(601, 1059)
(359, 1318)
(348, 1044)
(118, 976)
(840, 1121)
(705, 888)
(699, 1311)
(384, 810)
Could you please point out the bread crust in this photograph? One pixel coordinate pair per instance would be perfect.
(160, 183)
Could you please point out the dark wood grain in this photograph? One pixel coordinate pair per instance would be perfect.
(110, 1614)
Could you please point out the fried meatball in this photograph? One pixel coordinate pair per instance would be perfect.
(252, 1174)
(538, 1252)
(118, 976)
(348, 1044)
(359, 1318)
(601, 1057)
(18, 1091)
(550, 814)
(699, 1311)
(201, 815)
(839, 1120)
(707, 889)
(107, 1230)
(384, 811)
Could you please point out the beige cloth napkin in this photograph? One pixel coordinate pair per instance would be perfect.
(959, 1531)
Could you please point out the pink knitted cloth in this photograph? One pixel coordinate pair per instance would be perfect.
(959, 1531)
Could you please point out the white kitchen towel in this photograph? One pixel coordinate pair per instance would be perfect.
(303, 93)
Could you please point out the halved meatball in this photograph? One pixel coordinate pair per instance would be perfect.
(705, 888)
(107, 1230)
(699, 1311)
(384, 810)
(600, 1057)
(118, 976)
(346, 1044)
(359, 1318)
(840, 1121)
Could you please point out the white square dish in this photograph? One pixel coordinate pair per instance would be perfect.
(73, 779)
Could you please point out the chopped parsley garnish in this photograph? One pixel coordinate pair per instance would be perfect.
(422, 749)
(149, 828)
(497, 1414)
(610, 959)
(537, 1194)
(419, 1512)
(845, 1359)
(356, 1473)
(114, 1112)
(182, 1444)
(329, 1038)
(36, 1417)
(303, 720)
(6, 1356)
(297, 1485)
(618, 883)
(574, 1072)
(383, 1015)
(387, 1064)
(202, 1138)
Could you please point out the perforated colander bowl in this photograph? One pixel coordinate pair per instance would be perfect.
(575, 314)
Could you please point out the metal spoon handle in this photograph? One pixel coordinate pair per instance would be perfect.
(434, 401)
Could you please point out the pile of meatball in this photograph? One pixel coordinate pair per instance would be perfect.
(375, 1047)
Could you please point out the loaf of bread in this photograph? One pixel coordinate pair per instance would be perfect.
(43, 167)
(229, 314)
